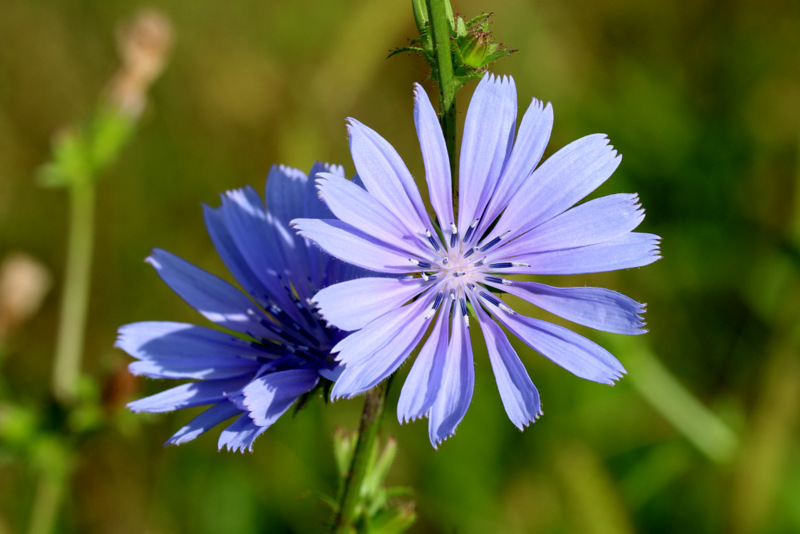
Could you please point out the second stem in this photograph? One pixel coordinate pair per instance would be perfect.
(350, 497)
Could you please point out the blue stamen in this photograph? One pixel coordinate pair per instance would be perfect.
(434, 244)
(438, 301)
(470, 230)
(490, 298)
(490, 244)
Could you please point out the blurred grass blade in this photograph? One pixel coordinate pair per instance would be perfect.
(674, 402)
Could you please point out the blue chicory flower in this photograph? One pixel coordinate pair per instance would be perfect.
(514, 218)
(279, 349)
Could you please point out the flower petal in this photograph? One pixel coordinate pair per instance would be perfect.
(455, 392)
(321, 264)
(629, 250)
(233, 259)
(434, 156)
(350, 244)
(595, 307)
(589, 223)
(355, 206)
(187, 395)
(285, 194)
(213, 297)
(564, 347)
(268, 397)
(315, 208)
(179, 350)
(204, 422)
(565, 178)
(362, 343)
(240, 435)
(534, 133)
(520, 397)
(386, 177)
(353, 304)
(254, 235)
(487, 139)
(378, 352)
(422, 384)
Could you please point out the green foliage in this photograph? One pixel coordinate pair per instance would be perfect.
(81, 155)
(472, 45)
(379, 510)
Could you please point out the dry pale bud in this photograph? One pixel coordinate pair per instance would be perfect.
(144, 44)
(24, 282)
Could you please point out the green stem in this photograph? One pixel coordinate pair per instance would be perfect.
(350, 496)
(75, 296)
(440, 34)
(49, 494)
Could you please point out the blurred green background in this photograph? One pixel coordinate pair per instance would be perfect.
(702, 100)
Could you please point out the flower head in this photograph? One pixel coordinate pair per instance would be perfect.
(279, 349)
(515, 217)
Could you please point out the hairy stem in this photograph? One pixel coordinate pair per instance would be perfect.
(440, 33)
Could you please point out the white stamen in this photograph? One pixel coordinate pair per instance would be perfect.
(507, 309)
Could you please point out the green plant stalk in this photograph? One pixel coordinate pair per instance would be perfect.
(440, 33)
(75, 295)
(49, 494)
(371, 419)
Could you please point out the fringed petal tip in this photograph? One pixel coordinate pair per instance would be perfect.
(295, 225)
(438, 440)
(352, 124)
(237, 447)
(540, 105)
(405, 418)
(641, 327)
(330, 168)
(347, 396)
(132, 406)
(521, 427)
(615, 377)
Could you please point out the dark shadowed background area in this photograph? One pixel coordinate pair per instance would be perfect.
(700, 98)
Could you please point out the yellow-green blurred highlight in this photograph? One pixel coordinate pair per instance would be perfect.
(701, 100)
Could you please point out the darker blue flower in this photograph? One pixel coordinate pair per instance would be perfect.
(274, 348)
(513, 216)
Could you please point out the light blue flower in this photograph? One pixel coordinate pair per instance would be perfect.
(514, 217)
(278, 350)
